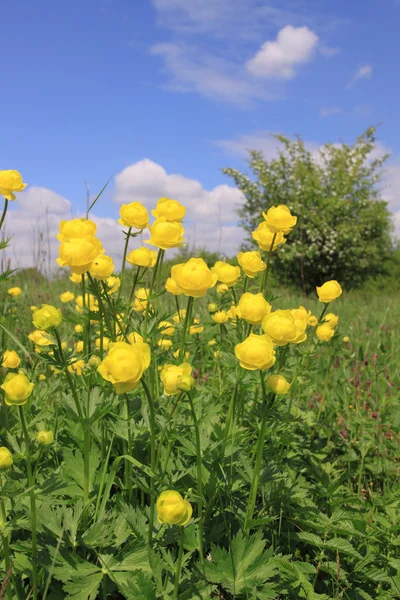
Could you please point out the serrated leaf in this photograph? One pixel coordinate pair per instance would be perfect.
(84, 588)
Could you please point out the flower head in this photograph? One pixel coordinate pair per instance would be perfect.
(46, 317)
(194, 277)
(17, 389)
(67, 297)
(171, 376)
(251, 263)
(11, 360)
(142, 257)
(45, 438)
(166, 234)
(264, 236)
(173, 509)
(252, 308)
(10, 182)
(169, 209)
(329, 291)
(278, 384)
(226, 273)
(280, 326)
(279, 219)
(133, 215)
(125, 364)
(14, 291)
(102, 267)
(255, 352)
(6, 459)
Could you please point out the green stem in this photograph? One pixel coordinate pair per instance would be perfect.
(188, 318)
(264, 278)
(128, 465)
(134, 285)
(200, 534)
(31, 484)
(231, 412)
(6, 548)
(68, 376)
(97, 291)
(178, 310)
(113, 312)
(259, 454)
(159, 261)
(3, 216)
(128, 235)
(152, 456)
(179, 564)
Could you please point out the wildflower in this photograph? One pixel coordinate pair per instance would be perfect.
(194, 277)
(102, 267)
(33, 307)
(212, 342)
(166, 234)
(251, 263)
(11, 360)
(79, 346)
(222, 288)
(169, 209)
(226, 273)
(90, 302)
(14, 291)
(46, 317)
(42, 377)
(78, 254)
(232, 313)
(134, 337)
(196, 327)
(252, 308)
(221, 316)
(133, 215)
(166, 328)
(300, 316)
(17, 389)
(125, 364)
(164, 343)
(331, 319)
(279, 219)
(212, 307)
(278, 384)
(6, 459)
(10, 182)
(312, 320)
(113, 284)
(78, 328)
(40, 338)
(281, 326)
(142, 257)
(45, 438)
(255, 352)
(171, 376)
(77, 367)
(329, 291)
(172, 287)
(141, 299)
(94, 362)
(179, 317)
(173, 509)
(76, 229)
(67, 297)
(346, 339)
(264, 237)
(75, 278)
(325, 332)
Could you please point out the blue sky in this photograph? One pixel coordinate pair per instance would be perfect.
(93, 87)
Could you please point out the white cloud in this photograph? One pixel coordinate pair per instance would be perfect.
(328, 111)
(38, 200)
(262, 140)
(279, 59)
(364, 72)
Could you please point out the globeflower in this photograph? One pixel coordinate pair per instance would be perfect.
(226, 273)
(82, 229)
(169, 209)
(40, 338)
(45, 438)
(278, 384)
(125, 364)
(279, 219)
(331, 319)
(171, 376)
(14, 291)
(280, 326)
(193, 277)
(264, 236)
(113, 284)
(173, 509)
(166, 234)
(6, 459)
(133, 215)
(300, 316)
(255, 352)
(66, 297)
(10, 182)
(164, 343)
(102, 267)
(325, 332)
(46, 317)
(221, 316)
(78, 254)
(142, 257)
(11, 360)
(166, 328)
(196, 327)
(17, 389)
(252, 308)
(222, 288)
(141, 299)
(329, 291)
(172, 287)
(251, 263)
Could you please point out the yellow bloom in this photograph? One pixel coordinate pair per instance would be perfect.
(106, 341)
(45, 438)
(226, 273)
(79, 346)
(173, 509)
(10, 182)
(14, 291)
(280, 326)
(279, 219)
(251, 263)
(252, 308)
(172, 287)
(76, 229)
(185, 383)
(255, 352)
(113, 284)
(40, 338)
(264, 237)
(331, 319)
(221, 316)
(325, 332)
(212, 342)
(329, 291)
(166, 234)
(179, 317)
(67, 297)
(94, 361)
(346, 339)
(91, 303)
(17, 389)
(46, 317)
(77, 367)
(102, 267)
(164, 343)
(78, 254)
(217, 354)
(125, 364)
(171, 375)
(42, 377)
(166, 328)
(171, 210)
(141, 299)
(312, 320)
(78, 328)
(222, 288)
(11, 360)
(278, 384)
(134, 337)
(33, 307)
(300, 316)
(142, 257)
(6, 459)
(193, 277)
(212, 307)
(176, 354)
(134, 215)
(232, 313)
(196, 327)
(75, 278)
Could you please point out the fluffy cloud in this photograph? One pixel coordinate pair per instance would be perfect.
(278, 59)
(364, 72)
(263, 140)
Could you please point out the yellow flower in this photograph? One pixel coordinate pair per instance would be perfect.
(279, 219)
(102, 267)
(113, 284)
(264, 237)
(325, 332)
(14, 291)
(221, 316)
(166, 234)
(331, 319)
(212, 307)
(42, 377)
(278, 384)
(77, 367)
(46, 317)
(78, 254)
(172, 287)
(75, 278)
(176, 354)
(142, 257)
(40, 338)
(280, 326)
(226, 273)
(6, 459)
(134, 215)
(10, 182)
(45, 438)
(300, 316)
(196, 327)
(193, 277)
(164, 343)
(170, 376)
(78, 328)
(217, 354)
(76, 229)
(125, 364)
(171, 210)
(173, 509)
(252, 308)
(17, 389)
(251, 263)
(212, 342)
(11, 360)
(179, 317)
(312, 320)
(67, 297)
(33, 307)
(134, 337)
(79, 346)
(141, 299)
(222, 288)
(166, 328)
(329, 291)
(255, 352)
(346, 339)
(185, 383)
(91, 303)
(106, 341)
(94, 361)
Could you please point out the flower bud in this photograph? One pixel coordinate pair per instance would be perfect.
(5, 458)
(45, 437)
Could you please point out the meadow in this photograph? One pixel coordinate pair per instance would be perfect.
(154, 457)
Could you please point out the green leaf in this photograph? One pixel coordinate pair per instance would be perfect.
(136, 586)
(84, 588)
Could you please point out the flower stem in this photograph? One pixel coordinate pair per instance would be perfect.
(152, 456)
(264, 279)
(6, 549)
(186, 323)
(128, 235)
(178, 568)
(3, 216)
(200, 535)
(128, 465)
(68, 376)
(31, 483)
